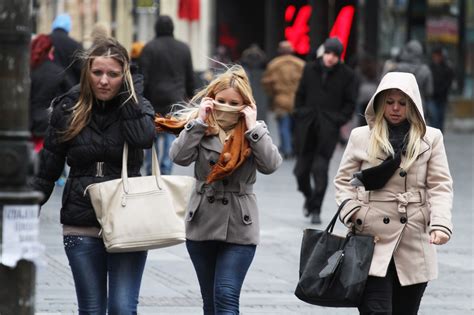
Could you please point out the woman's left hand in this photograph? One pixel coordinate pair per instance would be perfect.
(250, 113)
(438, 237)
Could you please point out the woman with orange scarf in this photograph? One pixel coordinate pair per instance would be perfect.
(227, 145)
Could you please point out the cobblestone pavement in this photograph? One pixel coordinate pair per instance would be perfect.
(170, 285)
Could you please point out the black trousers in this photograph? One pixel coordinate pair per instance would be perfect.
(311, 168)
(385, 296)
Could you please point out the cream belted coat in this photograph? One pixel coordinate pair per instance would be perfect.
(403, 213)
(225, 210)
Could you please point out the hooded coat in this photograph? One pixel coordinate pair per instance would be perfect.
(402, 214)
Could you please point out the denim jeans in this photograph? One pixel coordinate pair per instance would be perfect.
(284, 128)
(221, 268)
(437, 112)
(91, 264)
(165, 162)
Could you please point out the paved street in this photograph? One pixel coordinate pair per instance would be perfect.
(170, 285)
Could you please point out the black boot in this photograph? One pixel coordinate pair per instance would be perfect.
(315, 218)
(306, 211)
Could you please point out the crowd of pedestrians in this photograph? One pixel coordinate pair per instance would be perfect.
(86, 104)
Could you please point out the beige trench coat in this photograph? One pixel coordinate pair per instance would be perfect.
(408, 208)
(225, 210)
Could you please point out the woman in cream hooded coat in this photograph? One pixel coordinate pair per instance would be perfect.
(395, 173)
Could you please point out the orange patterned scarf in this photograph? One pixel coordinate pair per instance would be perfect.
(234, 153)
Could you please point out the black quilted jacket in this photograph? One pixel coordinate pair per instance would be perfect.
(95, 154)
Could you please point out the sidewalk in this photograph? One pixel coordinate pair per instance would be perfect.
(170, 285)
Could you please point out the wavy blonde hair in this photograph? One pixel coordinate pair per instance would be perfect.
(234, 77)
(379, 138)
(81, 112)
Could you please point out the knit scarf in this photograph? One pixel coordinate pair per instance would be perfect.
(236, 148)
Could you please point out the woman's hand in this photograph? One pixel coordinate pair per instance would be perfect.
(205, 108)
(250, 113)
(438, 237)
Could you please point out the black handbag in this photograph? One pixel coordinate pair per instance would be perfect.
(334, 269)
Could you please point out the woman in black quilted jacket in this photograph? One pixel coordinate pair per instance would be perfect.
(88, 128)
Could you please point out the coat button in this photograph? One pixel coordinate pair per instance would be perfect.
(403, 220)
(225, 182)
(211, 199)
(359, 221)
(386, 220)
(212, 162)
(225, 201)
(189, 126)
(403, 173)
(246, 218)
(254, 136)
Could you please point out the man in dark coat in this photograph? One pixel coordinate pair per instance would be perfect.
(443, 76)
(324, 102)
(169, 79)
(66, 48)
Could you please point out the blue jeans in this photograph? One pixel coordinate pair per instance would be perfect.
(165, 162)
(221, 268)
(437, 111)
(284, 128)
(91, 264)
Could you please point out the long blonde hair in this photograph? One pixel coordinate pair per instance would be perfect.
(81, 112)
(234, 77)
(379, 143)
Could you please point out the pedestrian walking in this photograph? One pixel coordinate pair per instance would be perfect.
(280, 81)
(169, 79)
(48, 80)
(324, 102)
(66, 49)
(228, 146)
(396, 176)
(367, 79)
(411, 60)
(88, 128)
(443, 75)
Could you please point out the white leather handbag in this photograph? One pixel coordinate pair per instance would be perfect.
(141, 213)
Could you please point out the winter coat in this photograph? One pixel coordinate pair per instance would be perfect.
(280, 81)
(168, 69)
(403, 213)
(48, 80)
(443, 76)
(321, 107)
(225, 210)
(95, 154)
(66, 52)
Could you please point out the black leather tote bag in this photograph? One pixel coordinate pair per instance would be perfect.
(334, 269)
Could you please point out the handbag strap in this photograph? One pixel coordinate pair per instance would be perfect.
(331, 224)
(155, 169)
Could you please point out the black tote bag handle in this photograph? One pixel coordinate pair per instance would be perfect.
(331, 224)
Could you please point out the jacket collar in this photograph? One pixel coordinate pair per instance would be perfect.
(212, 143)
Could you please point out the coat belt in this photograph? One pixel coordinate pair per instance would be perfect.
(217, 189)
(403, 199)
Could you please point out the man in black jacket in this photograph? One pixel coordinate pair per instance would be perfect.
(168, 70)
(66, 48)
(324, 101)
